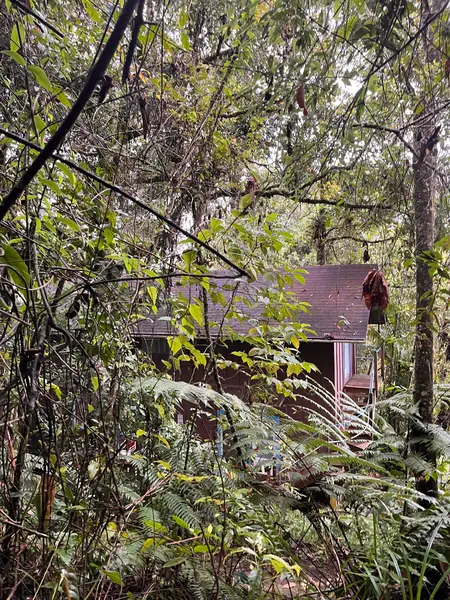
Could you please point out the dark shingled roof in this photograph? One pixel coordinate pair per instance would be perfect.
(337, 310)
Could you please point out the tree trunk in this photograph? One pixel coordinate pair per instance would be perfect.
(423, 364)
(319, 237)
(424, 191)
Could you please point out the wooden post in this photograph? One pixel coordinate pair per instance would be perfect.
(382, 361)
(375, 372)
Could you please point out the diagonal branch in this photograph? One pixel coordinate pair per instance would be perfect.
(122, 192)
(97, 72)
(138, 22)
(29, 11)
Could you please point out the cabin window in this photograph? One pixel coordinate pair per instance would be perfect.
(347, 361)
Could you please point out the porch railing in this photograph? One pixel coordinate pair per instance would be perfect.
(372, 364)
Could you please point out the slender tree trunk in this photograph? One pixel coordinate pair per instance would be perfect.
(424, 228)
(319, 238)
(423, 364)
(424, 191)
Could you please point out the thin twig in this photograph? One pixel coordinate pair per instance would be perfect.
(396, 132)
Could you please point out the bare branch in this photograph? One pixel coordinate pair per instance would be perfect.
(362, 240)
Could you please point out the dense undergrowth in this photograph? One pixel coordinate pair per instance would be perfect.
(288, 511)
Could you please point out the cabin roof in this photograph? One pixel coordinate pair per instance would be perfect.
(337, 311)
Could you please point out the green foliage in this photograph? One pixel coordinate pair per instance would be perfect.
(208, 131)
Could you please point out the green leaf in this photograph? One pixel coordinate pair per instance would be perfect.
(17, 37)
(40, 77)
(164, 464)
(278, 563)
(152, 291)
(189, 256)
(40, 124)
(113, 576)
(155, 525)
(148, 543)
(70, 223)
(201, 548)
(196, 312)
(175, 561)
(199, 356)
(60, 95)
(162, 439)
(57, 390)
(18, 58)
(174, 344)
(140, 433)
(19, 271)
(68, 173)
(92, 12)
(180, 522)
(108, 234)
(185, 42)
(245, 201)
(216, 225)
(95, 383)
(184, 17)
(53, 186)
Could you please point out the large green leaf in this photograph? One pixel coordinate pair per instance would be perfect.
(113, 576)
(40, 77)
(18, 270)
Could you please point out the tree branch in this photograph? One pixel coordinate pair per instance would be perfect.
(97, 72)
(432, 17)
(355, 239)
(396, 132)
(122, 192)
(293, 194)
(29, 11)
(138, 22)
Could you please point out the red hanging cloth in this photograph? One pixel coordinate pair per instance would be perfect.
(375, 290)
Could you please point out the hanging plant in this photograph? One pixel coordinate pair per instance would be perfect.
(375, 290)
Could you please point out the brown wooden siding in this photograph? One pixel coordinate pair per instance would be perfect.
(238, 382)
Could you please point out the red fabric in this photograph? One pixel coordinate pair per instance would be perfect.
(375, 290)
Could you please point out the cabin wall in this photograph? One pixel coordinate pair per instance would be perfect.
(238, 382)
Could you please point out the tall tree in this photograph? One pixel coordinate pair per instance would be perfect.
(424, 170)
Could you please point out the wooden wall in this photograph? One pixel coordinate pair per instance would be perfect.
(238, 382)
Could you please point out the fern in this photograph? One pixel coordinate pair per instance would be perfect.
(176, 505)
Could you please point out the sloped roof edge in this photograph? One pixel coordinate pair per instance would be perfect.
(337, 311)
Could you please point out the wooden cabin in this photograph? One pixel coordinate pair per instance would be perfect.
(337, 322)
